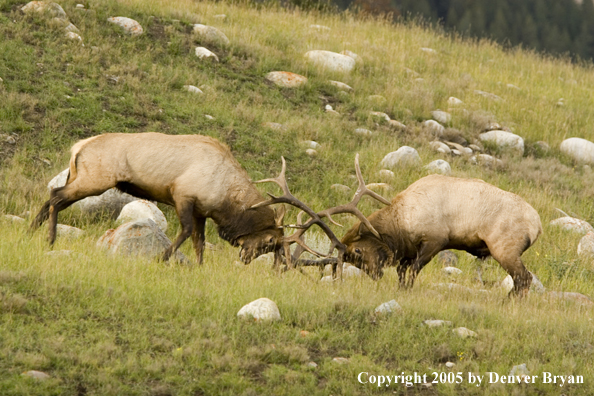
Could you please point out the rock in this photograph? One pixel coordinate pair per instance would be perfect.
(37, 375)
(452, 101)
(512, 86)
(193, 89)
(463, 332)
(340, 360)
(357, 58)
(379, 186)
(221, 17)
(312, 144)
(440, 147)
(486, 160)
(320, 28)
(441, 116)
(209, 117)
(387, 308)
(570, 296)
(381, 115)
(340, 188)
(286, 79)
(542, 146)
(579, 149)
(210, 34)
(50, 9)
(451, 271)
(404, 156)
(536, 286)
(439, 166)
(71, 28)
(450, 364)
(142, 209)
(487, 95)
(434, 127)
(437, 323)
(311, 152)
(14, 219)
(503, 139)
(363, 132)
(456, 153)
(327, 279)
(461, 149)
(130, 26)
(73, 36)
(586, 246)
(476, 148)
(68, 231)
(330, 110)
(80, 6)
(331, 61)
(275, 126)
(112, 201)
(349, 271)
(572, 224)
(520, 371)
(492, 126)
(386, 174)
(447, 258)
(428, 50)
(60, 253)
(204, 53)
(397, 125)
(340, 85)
(141, 237)
(262, 309)
(312, 365)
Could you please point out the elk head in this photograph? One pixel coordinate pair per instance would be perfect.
(265, 241)
(366, 251)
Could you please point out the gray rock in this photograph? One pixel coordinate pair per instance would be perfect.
(130, 26)
(504, 140)
(440, 147)
(485, 160)
(579, 149)
(447, 258)
(210, 34)
(397, 125)
(193, 89)
(439, 166)
(380, 115)
(73, 36)
(437, 323)
(520, 371)
(142, 209)
(434, 127)
(49, 9)
(586, 246)
(312, 144)
(36, 375)
(452, 101)
(312, 365)
(441, 116)
(340, 360)
(14, 219)
(572, 224)
(141, 237)
(68, 231)
(404, 156)
(536, 286)
(204, 53)
(340, 85)
(286, 79)
(357, 58)
(363, 132)
(463, 332)
(571, 296)
(331, 61)
(386, 174)
(260, 310)
(388, 307)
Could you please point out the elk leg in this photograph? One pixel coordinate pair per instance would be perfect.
(185, 211)
(198, 237)
(508, 256)
(402, 267)
(426, 253)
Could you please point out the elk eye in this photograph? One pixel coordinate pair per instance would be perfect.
(271, 240)
(358, 251)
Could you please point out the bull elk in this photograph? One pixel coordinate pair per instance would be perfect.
(195, 174)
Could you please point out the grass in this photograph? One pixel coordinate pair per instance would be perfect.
(103, 325)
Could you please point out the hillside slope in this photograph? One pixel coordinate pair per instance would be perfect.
(115, 325)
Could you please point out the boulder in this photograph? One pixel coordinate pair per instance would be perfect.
(440, 147)
(130, 26)
(579, 149)
(439, 166)
(404, 156)
(210, 34)
(572, 224)
(142, 209)
(286, 79)
(331, 61)
(434, 127)
(112, 201)
(441, 116)
(50, 9)
(204, 53)
(504, 140)
(262, 309)
(141, 237)
(586, 246)
(387, 308)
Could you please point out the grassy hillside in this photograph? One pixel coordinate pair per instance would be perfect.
(104, 325)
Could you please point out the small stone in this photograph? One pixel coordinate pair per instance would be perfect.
(68, 231)
(275, 126)
(520, 371)
(286, 79)
(504, 139)
(321, 28)
(129, 25)
(340, 188)
(571, 296)
(340, 360)
(37, 375)
(381, 115)
(262, 309)
(434, 127)
(80, 6)
(439, 166)
(303, 333)
(193, 89)
(340, 85)
(312, 365)
(441, 116)
(450, 364)
(386, 174)
(536, 285)
(312, 144)
(73, 36)
(436, 323)
(203, 53)
(404, 156)
(210, 34)
(396, 125)
(331, 61)
(428, 50)
(209, 117)
(485, 160)
(363, 132)
(451, 271)
(388, 307)
(14, 219)
(71, 28)
(379, 186)
(440, 147)
(464, 332)
(49, 9)
(311, 152)
(452, 101)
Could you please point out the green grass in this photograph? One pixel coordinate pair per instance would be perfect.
(104, 325)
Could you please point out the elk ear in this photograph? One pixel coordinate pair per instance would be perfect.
(385, 255)
(279, 215)
(363, 229)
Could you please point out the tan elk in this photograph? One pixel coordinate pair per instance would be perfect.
(195, 174)
(440, 212)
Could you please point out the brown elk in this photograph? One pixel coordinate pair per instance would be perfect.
(196, 174)
(440, 212)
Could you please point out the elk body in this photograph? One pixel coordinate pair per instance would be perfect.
(440, 212)
(196, 174)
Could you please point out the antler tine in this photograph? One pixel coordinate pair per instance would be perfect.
(362, 189)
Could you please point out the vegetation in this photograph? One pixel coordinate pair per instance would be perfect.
(104, 325)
